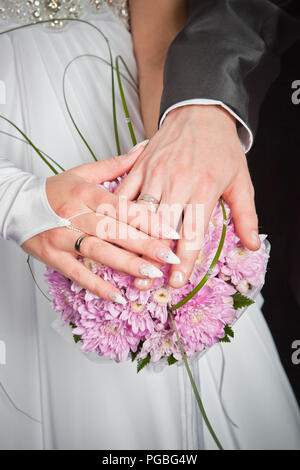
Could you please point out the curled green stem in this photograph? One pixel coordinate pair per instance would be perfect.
(211, 267)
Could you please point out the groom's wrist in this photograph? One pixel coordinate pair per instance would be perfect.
(244, 132)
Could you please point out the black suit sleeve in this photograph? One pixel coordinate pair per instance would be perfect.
(229, 50)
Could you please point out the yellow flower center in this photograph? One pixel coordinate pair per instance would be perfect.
(112, 329)
(241, 252)
(197, 317)
(137, 307)
(161, 296)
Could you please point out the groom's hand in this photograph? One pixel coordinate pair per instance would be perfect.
(194, 158)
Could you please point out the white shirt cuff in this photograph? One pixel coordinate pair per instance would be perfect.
(244, 132)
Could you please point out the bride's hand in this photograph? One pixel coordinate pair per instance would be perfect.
(75, 192)
(195, 158)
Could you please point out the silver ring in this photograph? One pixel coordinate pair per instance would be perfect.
(78, 242)
(148, 198)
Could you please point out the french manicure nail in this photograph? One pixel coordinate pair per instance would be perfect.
(167, 256)
(168, 232)
(144, 143)
(150, 270)
(255, 238)
(177, 279)
(142, 283)
(116, 297)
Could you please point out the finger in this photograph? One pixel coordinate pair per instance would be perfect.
(78, 272)
(136, 215)
(240, 199)
(130, 187)
(150, 206)
(145, 284)
(111, 168)
(112, 231)
(151, 192)
(113, 256)
(140, 283)
(195, 222)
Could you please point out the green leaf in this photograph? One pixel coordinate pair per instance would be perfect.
(229, 331)
(171, 360)
(134, 354)
(240, 301)
(225, 339)
(76, 338)
(143, 362)
(228, 334)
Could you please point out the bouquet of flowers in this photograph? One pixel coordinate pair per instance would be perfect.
(142, 329)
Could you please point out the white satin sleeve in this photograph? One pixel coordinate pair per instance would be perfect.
(24, 207)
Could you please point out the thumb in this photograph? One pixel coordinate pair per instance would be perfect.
(110, 168)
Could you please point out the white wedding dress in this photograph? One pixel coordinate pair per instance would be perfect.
(103, 405)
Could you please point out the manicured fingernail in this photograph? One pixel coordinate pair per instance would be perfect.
(142, 283)
(144, 144)
(168, 232)
(150, 271)
(167, 256)
(116, 297)
(177, 279)
(255, 238)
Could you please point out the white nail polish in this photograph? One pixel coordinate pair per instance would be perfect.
(116, 297)
(168, 232)
(142, 283)
(177, 279)
(144, 144)
(150, 271)
(167, 256)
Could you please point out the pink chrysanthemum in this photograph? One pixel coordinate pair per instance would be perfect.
(201, 321)
(65, 299)
(243, 264)
(160, 344)
(138, 318)
(109, 338)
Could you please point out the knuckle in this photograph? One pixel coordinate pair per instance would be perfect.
(206, 184)
(131, 264)
(79, 191)
(158, 168)
(64, 210)
(91, 248)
